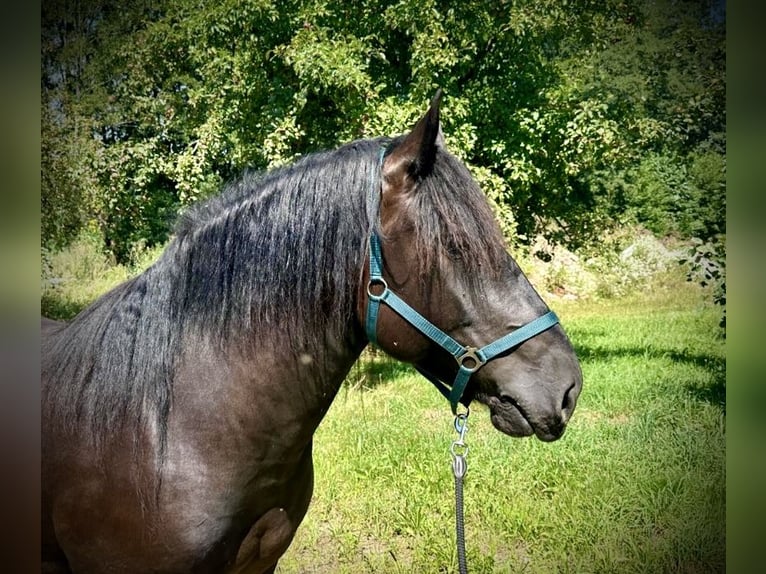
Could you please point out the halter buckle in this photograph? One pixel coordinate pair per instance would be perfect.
(378, 283)
(470, 360)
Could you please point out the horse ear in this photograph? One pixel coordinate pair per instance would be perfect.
(414, 157)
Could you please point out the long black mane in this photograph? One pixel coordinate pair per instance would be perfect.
(278, 254)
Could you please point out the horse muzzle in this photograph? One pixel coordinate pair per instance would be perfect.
(545, 418)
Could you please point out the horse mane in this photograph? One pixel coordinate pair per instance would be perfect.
(279, 253)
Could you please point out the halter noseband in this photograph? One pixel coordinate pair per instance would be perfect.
(469, 359)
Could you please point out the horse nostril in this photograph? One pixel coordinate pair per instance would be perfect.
(568, 403)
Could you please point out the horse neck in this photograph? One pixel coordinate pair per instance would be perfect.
(281, 322)
(270, 390)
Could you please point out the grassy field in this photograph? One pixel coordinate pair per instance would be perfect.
(636, 484)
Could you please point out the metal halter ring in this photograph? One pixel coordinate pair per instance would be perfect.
(375, 281)
(471, 354)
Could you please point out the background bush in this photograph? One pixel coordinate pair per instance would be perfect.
(577, 119)
(574, 116)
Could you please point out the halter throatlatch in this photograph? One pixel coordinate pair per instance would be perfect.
(469, 359)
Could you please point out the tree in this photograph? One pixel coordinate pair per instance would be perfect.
(565, 111)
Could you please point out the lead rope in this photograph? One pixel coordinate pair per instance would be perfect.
(459, 451)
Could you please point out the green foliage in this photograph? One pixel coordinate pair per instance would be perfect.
(670, 196)
(707, 176)
(140, 199)
(65, 202)
(570, 115)
(74, 277)
(658, 190)
(706, 266)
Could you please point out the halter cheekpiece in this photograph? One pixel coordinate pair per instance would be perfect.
(469, 359)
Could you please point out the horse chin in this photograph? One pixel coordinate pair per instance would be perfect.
(508, 418)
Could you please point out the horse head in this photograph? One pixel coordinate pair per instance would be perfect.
(442, 253)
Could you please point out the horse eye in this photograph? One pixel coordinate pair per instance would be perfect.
(453, 252)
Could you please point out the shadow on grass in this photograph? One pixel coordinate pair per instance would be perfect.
(712, 392)
(375, 368)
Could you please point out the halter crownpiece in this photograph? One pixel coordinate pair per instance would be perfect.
(469, 359)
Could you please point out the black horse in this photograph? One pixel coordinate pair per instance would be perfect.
(178, 410)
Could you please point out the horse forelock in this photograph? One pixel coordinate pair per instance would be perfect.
(454, 217)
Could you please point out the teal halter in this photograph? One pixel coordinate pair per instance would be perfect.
(469, 359)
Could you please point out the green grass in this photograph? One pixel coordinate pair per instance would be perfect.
(635, 485)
